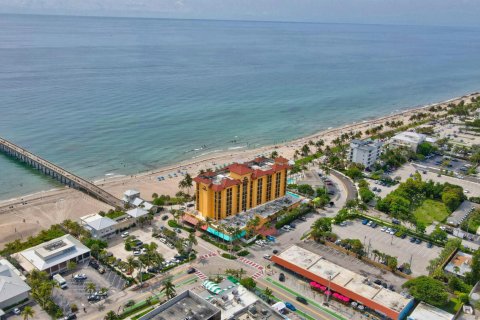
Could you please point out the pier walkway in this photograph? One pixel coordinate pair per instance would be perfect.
(58, 173)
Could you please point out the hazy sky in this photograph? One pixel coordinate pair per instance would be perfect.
(432, 12)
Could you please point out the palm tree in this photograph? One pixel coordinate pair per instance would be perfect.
(111, 315)
(131, 264)
(90, 287)
(169, 289)
(28, 313)
(268, 294)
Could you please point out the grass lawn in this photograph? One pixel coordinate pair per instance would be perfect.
(430, 211)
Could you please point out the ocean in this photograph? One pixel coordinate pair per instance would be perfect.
(117, 96)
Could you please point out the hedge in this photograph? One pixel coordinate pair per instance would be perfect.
(229, 256)
(243, 253)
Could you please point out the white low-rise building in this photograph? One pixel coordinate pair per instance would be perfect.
(130, 195)
(137, 213)
(12, 288)
(410, 140)
(365, 152)
(98, 226)
(53, 256)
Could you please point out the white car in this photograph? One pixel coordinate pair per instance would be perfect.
(17, 311)
(383, 229)
(136, 253)
(125, 234)
(267, 256)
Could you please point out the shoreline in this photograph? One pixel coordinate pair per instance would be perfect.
(27, 215)
(215, 155)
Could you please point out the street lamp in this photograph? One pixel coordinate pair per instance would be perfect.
(329, 273)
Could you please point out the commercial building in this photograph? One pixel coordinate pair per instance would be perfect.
(364, 152)
(344, 282)
(427, 312)
(13, 288)
(137, 213)
(460, 264)
(240, 187)
(53, 256)
(186, 305)
(410, 140)
(98, 226)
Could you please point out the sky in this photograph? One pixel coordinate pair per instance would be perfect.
(418, 12)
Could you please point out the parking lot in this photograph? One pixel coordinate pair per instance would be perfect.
(76, 292)
(418, 255)
(117, 248)
(354, 264)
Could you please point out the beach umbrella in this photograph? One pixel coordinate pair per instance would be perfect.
(328, 293)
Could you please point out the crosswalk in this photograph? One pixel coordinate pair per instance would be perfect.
(255, 265)
(208, 255)
(201, 275)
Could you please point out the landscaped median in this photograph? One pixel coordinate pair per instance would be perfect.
(311, 302)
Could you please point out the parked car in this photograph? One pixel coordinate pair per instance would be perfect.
(125, 234)
(267, 256)
(395, 221)
(364, 221)
(403, 236)
(93, 297)
(302, 300)
(303, 218)
(165, 217)
(191, 270)
(413, 239)
(374, 225)
(290, 306)
(17, 311)
(80, 276)
(418, 241)
(281, 277)
(137, 253)
(429, 245)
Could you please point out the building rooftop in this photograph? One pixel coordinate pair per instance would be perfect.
(345, 278)
(427, 312)
(51, 253)
(410, 137)
(264, 210)
(367, 144)
(186, 305)
(97, 222)
(257, 310)
(460, 264)
(137, 212)
(131, 193)
(222, 178)
(11, 285)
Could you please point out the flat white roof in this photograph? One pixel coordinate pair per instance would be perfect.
(53, 252)
(410, 137)
(427, 312)
(131, 192)
(345, 278)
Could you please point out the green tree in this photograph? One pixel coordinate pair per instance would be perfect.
(274, 154)
(111, 315)
(420, 227)
(306, 189)
(425, 148)
(248, 283)
(71, 265)
(28, 312)
(439, 234)
(366, 194)
(427, 289)
(90, 287)
(268, 294)
(169, 289)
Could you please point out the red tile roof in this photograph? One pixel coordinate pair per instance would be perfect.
(226, 183)
(239, 168)
(281, 160)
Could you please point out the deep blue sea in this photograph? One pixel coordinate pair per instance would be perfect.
(120, 95)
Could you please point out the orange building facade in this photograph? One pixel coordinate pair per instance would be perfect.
(240, 187)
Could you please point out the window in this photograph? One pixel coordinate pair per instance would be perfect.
(229, 202)
(251, 194)
(278, 175)
(238, 199)
(259, 191)
(197, 198)
(269, 188)
(244, 194)
(218, 205)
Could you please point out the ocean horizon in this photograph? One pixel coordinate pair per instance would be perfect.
(103, 96)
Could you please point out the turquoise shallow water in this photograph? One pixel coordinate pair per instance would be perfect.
(114, 95)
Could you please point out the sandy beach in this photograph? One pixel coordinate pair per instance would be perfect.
(27, 215)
